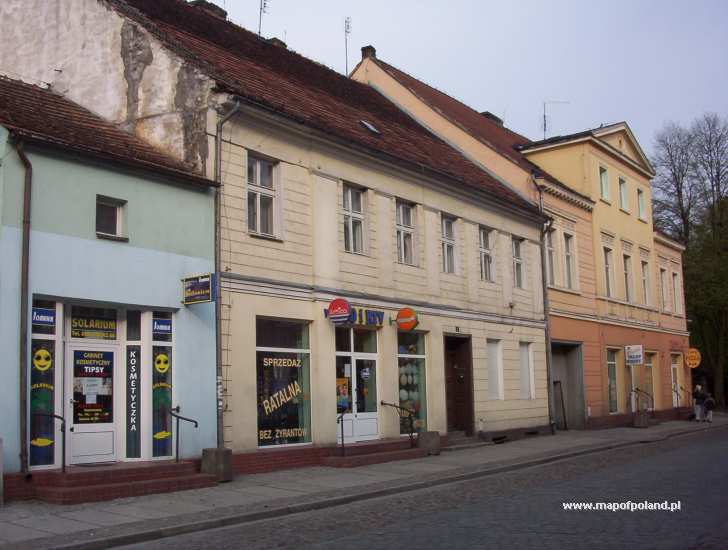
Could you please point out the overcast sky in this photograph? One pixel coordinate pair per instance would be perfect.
(643, 61)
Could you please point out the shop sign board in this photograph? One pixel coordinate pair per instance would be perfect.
(407, 319)
(44, 317)
(198, 289)
(693, 358)
(633, 355)
(97, 328)
(133, 404)
(161, 326)
(340, 312)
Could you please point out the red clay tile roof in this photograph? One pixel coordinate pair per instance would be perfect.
(278, 79)
(41, 116)
(499, 138)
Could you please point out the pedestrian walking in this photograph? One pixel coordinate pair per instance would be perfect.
(708, 406)
(699, 400)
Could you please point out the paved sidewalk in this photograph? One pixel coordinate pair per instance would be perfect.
(32, 524)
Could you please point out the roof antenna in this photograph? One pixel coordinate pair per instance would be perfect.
(550, 102)
(347, 32)
(263, 9)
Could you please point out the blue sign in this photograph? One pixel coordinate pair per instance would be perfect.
(162, 326)
(44, 317)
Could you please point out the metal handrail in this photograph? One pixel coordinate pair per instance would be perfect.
(404, 412)
(63, 435)
(173, 412)
(340, 420)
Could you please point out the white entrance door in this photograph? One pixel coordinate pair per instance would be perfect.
(91, 403)
(356, 397)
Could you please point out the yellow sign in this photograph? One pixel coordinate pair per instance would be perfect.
(692, 358)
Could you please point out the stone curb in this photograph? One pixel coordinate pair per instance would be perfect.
(248, 517)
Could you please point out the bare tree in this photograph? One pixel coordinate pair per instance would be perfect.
(710, 150)
(675, 194)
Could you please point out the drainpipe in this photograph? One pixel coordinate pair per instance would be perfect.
(24, 271)
(549, 375)
(218, 283)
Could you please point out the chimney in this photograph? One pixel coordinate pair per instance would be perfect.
(277, 42)
(491, 116)
(368, 51)
(210, 8)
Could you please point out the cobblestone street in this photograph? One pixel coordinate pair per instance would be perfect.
(523, 509)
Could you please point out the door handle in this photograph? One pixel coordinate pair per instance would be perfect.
(72, 401)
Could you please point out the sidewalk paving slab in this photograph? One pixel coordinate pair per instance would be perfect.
(247, 498)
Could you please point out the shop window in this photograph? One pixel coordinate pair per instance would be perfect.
(528, 390)
(162, 326)
(412, 379)
(353, 203)
(43, 317)
(365, 341)
(42, 402)
(343, 339)
(283, 382)
(93, 323)
(161, 400)
(261, 196)
(109, 217)
(612, 379)
(133, 325)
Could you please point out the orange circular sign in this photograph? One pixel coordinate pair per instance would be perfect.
(407, 319)
(692, 358)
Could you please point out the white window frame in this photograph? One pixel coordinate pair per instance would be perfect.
(663, 289)
(623, 194)
(118, 205)
(628, 278)
(258, 190)
(641, 207)
(616, 381)
(607, 256)
(518, 262)
(448, 242)
(569, 261)
(494, 354)
(675, 378)
(403, 230)
(645, 267)
(485, 250)
(528, 376)
(604, 183)
(550, 253)
(676, 293)
(351, 215)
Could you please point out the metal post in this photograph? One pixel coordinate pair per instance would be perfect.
(176, 443)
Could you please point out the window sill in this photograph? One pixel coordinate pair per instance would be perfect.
(643, 220)
(405, 264)
(265, 237)
(605, 201)
(623, 211)
(565, 289)
(109, 237)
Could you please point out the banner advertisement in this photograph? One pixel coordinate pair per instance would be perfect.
(42, 400)
(97, 328)
(93, 387)
(133, 401)
(161, 400)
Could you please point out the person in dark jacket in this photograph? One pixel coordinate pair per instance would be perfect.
(699, 400)
(708, 406)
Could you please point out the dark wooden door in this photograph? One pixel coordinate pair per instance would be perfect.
(458, 384)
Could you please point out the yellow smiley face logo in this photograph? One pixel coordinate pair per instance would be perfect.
(161, 363)
(42, 359)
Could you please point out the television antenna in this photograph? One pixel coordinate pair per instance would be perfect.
(263, 9)
(549, 102)
(347, 32)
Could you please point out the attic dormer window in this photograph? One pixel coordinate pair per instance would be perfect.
(369, 126)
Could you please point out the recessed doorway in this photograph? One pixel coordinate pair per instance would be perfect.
(459, 384)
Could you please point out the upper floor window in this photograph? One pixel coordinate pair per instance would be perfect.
(405, 233)
(604, 183)
(608, 271)
(261, 196)
(641, 211)
(353, 201)
(675, 292)
(448, 244)
(627, 262)
(109, 217)
(486, 254)
(517, 262)
(663, 288)
(623, 196)
(551, 279)
(569, 260)
(646, 283)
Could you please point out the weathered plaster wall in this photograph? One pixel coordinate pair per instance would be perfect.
(87, 52)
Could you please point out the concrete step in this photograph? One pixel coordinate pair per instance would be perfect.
(463, 445)
(76, 476)
(373, 458)
(58, 494)
(366, 448)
